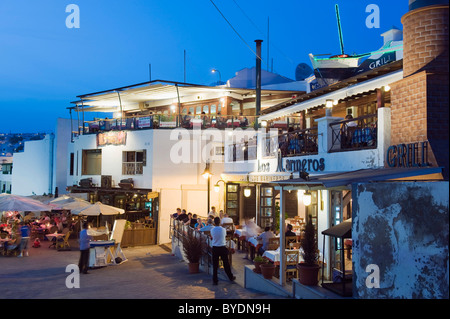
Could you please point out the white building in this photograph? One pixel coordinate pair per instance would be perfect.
(42, 166)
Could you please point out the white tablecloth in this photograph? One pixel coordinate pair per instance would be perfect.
(274, 255)
(240, 232)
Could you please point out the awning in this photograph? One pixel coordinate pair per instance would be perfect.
(342, 230)
(344, 179)
(341, 94)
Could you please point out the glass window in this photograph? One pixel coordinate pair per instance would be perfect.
(206, 109)
(191, 109)
(199, 110)
(133, 162)
(232, 188)
(92, 162)
(213, 109)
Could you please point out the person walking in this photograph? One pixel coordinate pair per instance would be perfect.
(219, 250)
(25, 234)
(85, 239)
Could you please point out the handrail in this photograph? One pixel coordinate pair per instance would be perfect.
(360, 135)
(162, 121)
(293, 143)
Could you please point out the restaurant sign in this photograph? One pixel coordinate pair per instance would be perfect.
(299, 165)
(408, 155)
(112, 138)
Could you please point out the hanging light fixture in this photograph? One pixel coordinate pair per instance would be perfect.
(307, 198)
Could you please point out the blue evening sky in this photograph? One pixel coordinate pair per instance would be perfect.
(44, 65)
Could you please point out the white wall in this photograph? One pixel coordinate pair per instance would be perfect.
(32, 171)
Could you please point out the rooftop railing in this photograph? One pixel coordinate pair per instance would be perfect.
(165, 121)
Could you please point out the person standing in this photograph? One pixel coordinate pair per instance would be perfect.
(213, 212)
(25, 234)
(85, 239)
(219, 250)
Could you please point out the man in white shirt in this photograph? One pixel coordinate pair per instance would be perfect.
(226, 220)
(219, 249)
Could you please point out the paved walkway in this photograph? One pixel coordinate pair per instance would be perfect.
(151, 272)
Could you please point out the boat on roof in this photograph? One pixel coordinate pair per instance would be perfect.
(329, 70)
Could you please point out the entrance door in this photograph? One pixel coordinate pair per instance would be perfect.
(249, 204)
(232, 202)
(267, 204)
(336, 218)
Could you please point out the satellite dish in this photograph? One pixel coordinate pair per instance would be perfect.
(302, 71)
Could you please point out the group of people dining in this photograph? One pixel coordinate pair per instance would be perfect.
(196, 222)
(17, 230)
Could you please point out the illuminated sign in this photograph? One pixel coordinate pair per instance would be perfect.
(112, 138)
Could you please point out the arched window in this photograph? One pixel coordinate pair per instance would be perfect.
(191, 109)
(198, 110)
(213, 109)
(206, 109)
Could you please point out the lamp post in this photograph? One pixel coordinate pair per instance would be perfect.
(220, 76)
(207, 175)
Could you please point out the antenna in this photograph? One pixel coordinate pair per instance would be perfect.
(341, 41)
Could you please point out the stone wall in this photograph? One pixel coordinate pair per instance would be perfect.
(401, 231)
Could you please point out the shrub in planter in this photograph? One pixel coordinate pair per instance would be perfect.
(258, 261)
(308, 271)
(193, 247)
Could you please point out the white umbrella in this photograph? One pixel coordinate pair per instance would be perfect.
(10, 202)
(76, 204)
(97, 209)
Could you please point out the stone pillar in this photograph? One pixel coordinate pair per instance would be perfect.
(419, 101)
(325, 132)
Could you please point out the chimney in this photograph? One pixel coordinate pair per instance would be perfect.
(258, 76)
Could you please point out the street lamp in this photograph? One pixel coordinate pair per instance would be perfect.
(220, 76)
(207, 175)
(217, 187)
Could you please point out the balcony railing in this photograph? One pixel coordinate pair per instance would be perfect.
(293, 143)
(163, 121)
(354, 134)
(244, 151)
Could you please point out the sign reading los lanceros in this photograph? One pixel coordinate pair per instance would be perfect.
(112, 138)
(295, 165)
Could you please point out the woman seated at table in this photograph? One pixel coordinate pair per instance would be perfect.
(200, 224)
(265, 236)
(289, 232)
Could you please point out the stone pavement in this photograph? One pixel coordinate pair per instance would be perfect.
(151, 272)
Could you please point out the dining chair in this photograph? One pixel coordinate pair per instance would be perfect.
(274, 243)
(290, 239)
(63, 242)
(291, 261)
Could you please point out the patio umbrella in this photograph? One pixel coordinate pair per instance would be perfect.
(19, 203)
(76, 205)
(97, 209)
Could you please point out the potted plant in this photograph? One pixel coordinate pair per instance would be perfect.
(267, 270)
(193, 247)
(308, 270)
(258, 261)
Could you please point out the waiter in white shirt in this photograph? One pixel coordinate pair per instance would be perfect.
(219, 249)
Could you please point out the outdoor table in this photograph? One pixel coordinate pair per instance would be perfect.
(254, 245)
(240, 234)
(274, 255)
(55, 236)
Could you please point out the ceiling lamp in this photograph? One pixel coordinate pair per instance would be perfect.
(307, 198)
